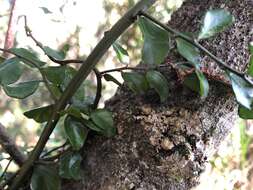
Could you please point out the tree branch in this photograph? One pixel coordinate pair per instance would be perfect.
(120, 27)
(10, 147)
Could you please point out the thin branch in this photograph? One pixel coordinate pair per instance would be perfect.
(193, 42)
(10, 147)
(61, 62)
(120, 27)
(5, 170)
(99, 88)
(9, 38)
(124, 68)
(54, 149)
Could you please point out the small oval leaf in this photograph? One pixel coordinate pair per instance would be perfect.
(41, 114)
(45, 178)
(157, 81)
(135, 81)
(156, 42)
(70, 166)
(108, 77)
(121, 53)
(21, 90)
(215, 21)
(75, 131)
(56, 75)
(53, 53)
(245, 113)
(104, 120)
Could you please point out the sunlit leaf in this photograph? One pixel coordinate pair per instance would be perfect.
(28, 57)
(215, 21)
(104, 120)
(242, 89)
(10, 71)
(203, 83)
(157, 81)
(53, 53)
(189, 52)
(41, 114)
(245, 113)
(121, 53)
(56, 75)
(70, 166)
(108, 77)
(75, 131)
(156, 42)
(45, 177)
(21, 90)
(135, 81)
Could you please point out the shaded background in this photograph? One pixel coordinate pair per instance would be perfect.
(78, 25)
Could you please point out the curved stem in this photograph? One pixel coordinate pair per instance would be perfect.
(99, 88)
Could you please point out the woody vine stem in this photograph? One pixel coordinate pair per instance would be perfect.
(87, 66)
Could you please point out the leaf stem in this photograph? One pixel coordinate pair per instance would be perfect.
(99, 88)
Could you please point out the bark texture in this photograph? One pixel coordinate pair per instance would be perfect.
(165, 146)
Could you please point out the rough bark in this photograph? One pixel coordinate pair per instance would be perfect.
(165, 146)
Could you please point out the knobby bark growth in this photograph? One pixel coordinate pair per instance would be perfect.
(166, 146)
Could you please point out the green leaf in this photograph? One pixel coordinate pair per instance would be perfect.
(135, 81)
(56, 75)
(55, 90)
(215, 21)
(250, 69)
(2, 59)
(53, 53)
(157, 81)
(103, 119)
(45, 178)
(108, 77)
(45, 10)
(70, 166)
(73, 111)
(189, 52)
(121, 53)
(203, 83)
(21, 90)
(198, 83)
(79, 96)
(41, 114)
(245, 113)
(242, 89)
(251, 48)
(156, 42)
(10, 71)
(92, 126)
(28, 55)
(75, 131)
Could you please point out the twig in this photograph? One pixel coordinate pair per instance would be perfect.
(10, 147)
(5, 170)
(121, 26)
(61, 62)
(193, 42)
(99, 88)
(54, 149)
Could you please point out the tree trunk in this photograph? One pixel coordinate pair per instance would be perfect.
(165, 146)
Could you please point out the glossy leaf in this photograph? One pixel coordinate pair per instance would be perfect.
(156, 42)
(70, 166)
(245, 113)
(21, 90)
(215, 21)
(135, 81)
(10, 71)
(28, 55)
(242, 89)
(108, 77)
(203, 84)
(53, 53)
(41, 114)
(45, 177)
(189, 52)
(103, 119)
(76, 132)
(198, 83)
(56, 75)
(121, 53)
(91, 125)
(157, 81)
